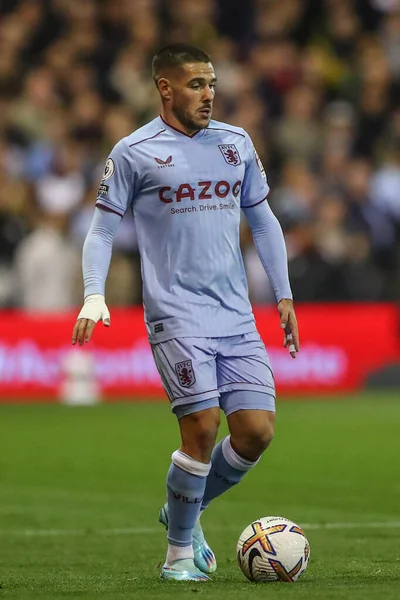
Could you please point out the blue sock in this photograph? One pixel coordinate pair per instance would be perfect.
(186, 482)
(228, 468)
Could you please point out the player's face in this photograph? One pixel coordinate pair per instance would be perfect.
(193, 89)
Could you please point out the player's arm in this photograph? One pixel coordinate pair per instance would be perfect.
(115, 194)
(96, 258)
(269, 242)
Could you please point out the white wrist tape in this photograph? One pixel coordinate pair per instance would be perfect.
(94, 308)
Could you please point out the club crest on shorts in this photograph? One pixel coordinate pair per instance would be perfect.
(230, 154)
(185, 373)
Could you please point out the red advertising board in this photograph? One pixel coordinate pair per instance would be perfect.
(340, 346)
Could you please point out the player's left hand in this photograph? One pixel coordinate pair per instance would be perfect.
(289, 325)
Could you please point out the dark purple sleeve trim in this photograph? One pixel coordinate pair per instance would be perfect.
(108, 209)
(256, 204)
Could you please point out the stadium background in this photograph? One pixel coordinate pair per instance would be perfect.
(317, 85)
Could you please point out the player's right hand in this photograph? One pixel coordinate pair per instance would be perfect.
(94, 309)
(290, 326)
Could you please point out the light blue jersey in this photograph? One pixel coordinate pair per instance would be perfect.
(186, 193)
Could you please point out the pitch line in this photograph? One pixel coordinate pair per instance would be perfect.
(154, 530)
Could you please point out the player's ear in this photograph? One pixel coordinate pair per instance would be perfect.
(164, 87)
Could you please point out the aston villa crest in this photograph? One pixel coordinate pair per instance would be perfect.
(230, 154)
(185, 373)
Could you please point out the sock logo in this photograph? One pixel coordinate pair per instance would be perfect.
(225, 479)
(187, 499)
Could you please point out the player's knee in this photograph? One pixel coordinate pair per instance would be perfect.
(253, 441)
(266, 435)
(205, 431)
(198, 432)
(261, 437)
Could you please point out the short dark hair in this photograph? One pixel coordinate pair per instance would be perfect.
(176, 55)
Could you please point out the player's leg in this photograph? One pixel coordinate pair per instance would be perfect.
(186, 479)
(184, 366)
(189, 418)
(251, 431)
(248, 400)
(198, 425)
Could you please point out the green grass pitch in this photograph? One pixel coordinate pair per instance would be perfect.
(80, 490)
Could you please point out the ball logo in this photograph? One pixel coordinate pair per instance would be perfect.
(261, 535)
(185, 373)
(230, 154)
(108, 169)
(283, 573)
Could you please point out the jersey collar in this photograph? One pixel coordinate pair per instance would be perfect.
(196, 135)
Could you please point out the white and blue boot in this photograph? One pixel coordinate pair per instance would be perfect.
(204, 557)
(182, 570)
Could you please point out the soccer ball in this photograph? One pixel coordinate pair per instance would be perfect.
(273, 549)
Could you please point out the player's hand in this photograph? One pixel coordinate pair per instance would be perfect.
(289, 325)
(93, 310)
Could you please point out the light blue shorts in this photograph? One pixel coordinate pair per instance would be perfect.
(198, 373)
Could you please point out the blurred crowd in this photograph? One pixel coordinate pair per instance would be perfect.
(316, 83)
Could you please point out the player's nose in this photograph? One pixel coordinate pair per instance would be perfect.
(208, 94)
